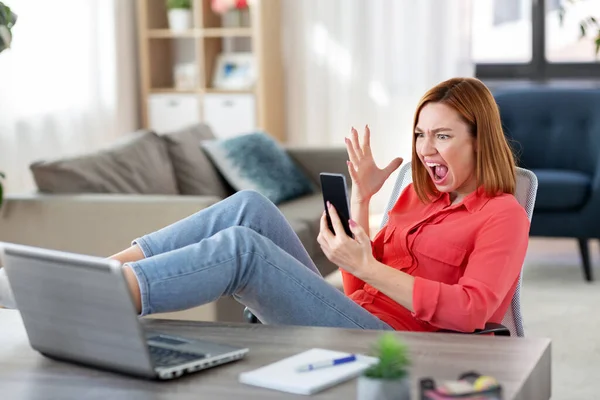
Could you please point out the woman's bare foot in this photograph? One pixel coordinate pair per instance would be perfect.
(134, 287)
(133, 253)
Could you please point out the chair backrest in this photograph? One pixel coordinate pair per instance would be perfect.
(526, 192)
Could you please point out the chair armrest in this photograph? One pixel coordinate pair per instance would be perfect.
(496, 329)
(93, 224)
(322, 159)
(490, 327)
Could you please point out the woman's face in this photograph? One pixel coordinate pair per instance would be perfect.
(447, 149)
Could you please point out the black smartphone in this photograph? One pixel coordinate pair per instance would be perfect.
(335, 191)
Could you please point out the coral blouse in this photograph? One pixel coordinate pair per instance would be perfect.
(466, 259)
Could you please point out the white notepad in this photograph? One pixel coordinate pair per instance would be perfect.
(282, 375)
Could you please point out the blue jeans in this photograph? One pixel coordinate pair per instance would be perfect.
(244, 247)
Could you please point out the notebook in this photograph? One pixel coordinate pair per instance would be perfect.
(282, 375)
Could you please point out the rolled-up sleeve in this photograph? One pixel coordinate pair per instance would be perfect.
(491, 271)
(351, 283)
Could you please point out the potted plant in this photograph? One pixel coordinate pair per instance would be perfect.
(389, 378)
(180, 14)
(587, 24)
(7, 21)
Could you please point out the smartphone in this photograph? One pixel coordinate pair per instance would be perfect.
(335, 191)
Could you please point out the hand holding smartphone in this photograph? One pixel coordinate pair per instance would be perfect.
(335, 192)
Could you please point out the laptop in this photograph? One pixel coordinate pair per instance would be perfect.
(77, 308)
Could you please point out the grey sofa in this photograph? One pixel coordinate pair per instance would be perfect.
(102, 224)
(556, 134)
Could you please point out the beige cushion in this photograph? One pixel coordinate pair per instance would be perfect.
(307, 209)
(194, 172)
(138, 163)
(305, 236)
(335, 279)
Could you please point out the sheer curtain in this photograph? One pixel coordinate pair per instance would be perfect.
(68, 82)
(356, 62)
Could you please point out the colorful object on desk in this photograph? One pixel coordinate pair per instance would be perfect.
(484, 383)
(471, 385)
(326, 363)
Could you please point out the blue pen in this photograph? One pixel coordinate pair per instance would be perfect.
(326, 363)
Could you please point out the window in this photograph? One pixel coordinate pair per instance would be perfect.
(499, 27)
(526, 39)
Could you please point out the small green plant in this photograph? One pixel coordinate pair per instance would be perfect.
(393, 359)
(7, 21)
(174, 4)
(590, 23)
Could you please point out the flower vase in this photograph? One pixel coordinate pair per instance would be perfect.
(383, 389)
(245, 18)
(231, 19)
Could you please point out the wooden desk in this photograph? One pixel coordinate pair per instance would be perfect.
(521, 365)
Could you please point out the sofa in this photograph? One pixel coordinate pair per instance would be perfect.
(555, 133)
(97, 203)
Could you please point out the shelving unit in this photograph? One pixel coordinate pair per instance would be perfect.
(166, 107)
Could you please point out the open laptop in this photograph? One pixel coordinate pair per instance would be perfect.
(77, 308)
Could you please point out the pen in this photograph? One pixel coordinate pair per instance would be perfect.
(326, 363)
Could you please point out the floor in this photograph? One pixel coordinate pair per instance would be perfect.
(557, 303)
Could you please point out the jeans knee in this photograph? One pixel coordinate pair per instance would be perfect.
(245, 239)
(252, 196)
(255, 200)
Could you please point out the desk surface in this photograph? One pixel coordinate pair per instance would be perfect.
(522, 365)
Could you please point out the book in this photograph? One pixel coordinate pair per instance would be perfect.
(283, 375)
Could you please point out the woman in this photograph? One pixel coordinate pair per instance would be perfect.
(449, 257)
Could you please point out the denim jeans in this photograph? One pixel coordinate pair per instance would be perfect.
(244, 247)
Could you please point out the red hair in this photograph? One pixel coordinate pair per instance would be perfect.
(495, 163)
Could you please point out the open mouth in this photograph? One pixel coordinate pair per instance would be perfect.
(439, 172)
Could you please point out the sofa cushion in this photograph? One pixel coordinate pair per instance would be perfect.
(560, 190)
(256, 161)
(194, 172)
(138, 163)
(304, 234)
(307, 209)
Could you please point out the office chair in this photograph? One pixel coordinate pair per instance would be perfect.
(512, 323)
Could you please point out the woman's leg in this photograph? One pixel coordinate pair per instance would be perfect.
(245, 208)
(238, 261)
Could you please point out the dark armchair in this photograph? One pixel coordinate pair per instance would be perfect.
(555, 133)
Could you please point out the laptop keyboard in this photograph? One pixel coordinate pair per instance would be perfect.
(162, 357)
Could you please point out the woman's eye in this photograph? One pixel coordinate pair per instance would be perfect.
(419, 134)
(443, 137)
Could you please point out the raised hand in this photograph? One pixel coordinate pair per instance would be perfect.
(367, 178)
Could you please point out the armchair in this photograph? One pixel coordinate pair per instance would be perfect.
(556, 135)
(512, 323)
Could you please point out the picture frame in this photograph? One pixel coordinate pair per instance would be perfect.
(234, 71)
